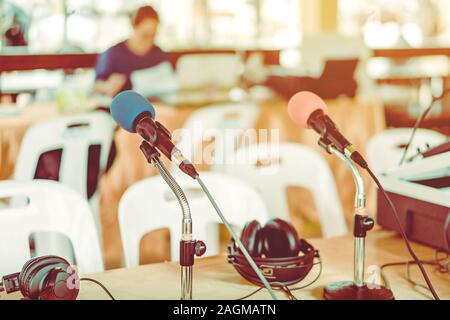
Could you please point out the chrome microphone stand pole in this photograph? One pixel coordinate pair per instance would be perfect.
(356, 289)
(188, 247)
(360, 218)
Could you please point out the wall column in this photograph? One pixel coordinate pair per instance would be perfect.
(319, 16)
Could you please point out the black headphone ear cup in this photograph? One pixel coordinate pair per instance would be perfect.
(250, 238)
(26, 275)
(279, 239)
(58, 285)
(34, 277)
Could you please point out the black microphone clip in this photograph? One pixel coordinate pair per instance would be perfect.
(328, 131)
(149, 151)
(331, 137)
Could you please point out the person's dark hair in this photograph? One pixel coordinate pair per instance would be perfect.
(145, 12)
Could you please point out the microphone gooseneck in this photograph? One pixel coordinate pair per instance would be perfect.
(176, 189)
(360, 216)
(187, 244)
(186, 235)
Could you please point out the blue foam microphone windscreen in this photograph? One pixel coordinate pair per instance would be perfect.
(127, 106)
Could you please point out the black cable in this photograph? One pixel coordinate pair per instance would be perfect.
(413, 132)
(443, 267)
(419, 122)
(289, 293)
(285, 288)
(251, 294)
(314, 280)
(403, 234)
(99, 284)
(249, 259)
(436, 262)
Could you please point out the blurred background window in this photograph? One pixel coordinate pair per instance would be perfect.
(387, 23)
(92, 26)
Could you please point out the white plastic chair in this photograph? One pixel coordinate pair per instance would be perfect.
(51, 207)
(74, 134)
(271, 168)
(222, 122)
(206, 70)
(385, 149)
(150, 205)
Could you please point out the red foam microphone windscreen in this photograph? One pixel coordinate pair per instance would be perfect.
(302, 105)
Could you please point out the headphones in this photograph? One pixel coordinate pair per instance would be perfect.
(283, 258)
(44, 278)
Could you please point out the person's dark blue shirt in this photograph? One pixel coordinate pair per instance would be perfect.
(119, 59)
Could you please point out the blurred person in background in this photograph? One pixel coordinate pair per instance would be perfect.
(115, 65)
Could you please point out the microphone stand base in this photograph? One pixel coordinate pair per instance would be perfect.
(347, 290)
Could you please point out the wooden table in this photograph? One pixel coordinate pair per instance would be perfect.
(403, 53)
(214, 278)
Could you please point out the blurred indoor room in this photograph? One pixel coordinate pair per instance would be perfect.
(111, 111)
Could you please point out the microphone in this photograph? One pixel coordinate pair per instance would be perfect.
(309, 111)
(135, 114)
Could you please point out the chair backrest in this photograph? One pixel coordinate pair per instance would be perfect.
(337, 79)
(76, 136)
(222, 122)
(342, 69)
(206, 70)
(271, 168)
(385, 149)
(150, 204)
(315, 54)
(51, 207)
